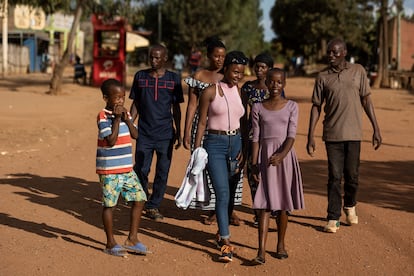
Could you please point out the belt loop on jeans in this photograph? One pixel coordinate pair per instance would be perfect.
(224, 132)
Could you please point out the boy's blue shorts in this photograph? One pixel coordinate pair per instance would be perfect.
(126, 184)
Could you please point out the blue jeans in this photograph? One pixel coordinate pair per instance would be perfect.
(144, 152)
(343, 160)
(220, 148)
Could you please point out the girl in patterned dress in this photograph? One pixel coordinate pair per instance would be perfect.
(254, 91)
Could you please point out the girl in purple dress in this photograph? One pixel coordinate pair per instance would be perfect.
(275, 166)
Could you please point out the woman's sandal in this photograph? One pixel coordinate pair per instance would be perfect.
(138, 248)
(281, 255)
(209, 220)
(117, 251)
(259, 260)
(226, 253)
(234, 220)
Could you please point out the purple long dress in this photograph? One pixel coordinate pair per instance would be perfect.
(280, 187)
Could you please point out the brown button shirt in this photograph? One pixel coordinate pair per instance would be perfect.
(341, 91)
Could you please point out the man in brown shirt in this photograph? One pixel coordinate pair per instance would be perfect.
(344, 90)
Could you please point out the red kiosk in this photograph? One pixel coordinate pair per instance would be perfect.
(109, 50)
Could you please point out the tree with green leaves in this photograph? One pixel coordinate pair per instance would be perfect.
(188, 23)
(305, 26)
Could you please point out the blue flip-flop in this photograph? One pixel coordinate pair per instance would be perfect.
(117, 251)
(138, 248)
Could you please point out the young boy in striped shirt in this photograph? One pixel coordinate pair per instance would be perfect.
(115, 168)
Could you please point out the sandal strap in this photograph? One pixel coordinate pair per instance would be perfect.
(227, 250)
(226, 253)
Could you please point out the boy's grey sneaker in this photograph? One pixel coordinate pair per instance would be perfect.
(332, 226)
(351, 217)
(154, 214)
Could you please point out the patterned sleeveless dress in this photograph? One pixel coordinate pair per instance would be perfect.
(254, 95)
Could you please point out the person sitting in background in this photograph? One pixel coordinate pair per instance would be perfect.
(79, 71)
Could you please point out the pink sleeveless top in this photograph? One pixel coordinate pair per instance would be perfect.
(221, 111)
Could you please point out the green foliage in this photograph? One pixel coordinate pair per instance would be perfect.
(304, 26)
(248, 34)
(188, 23)
(48, 6)
(129, 9)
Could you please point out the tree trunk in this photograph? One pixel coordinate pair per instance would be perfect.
(385, 79)
(380, 70)
(56, 81)
(324, 47)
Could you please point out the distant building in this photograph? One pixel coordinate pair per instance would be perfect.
(404, 41)
(39, 38)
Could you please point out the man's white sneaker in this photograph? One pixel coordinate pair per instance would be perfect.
(351, 217)
(332, 226)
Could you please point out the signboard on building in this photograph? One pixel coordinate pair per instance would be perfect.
(26, 17)
(59, 21)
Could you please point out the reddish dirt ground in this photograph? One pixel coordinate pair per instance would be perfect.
(50, 212)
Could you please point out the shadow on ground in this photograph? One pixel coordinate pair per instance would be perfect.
(16, 83)
(82, 200)
(384, 184)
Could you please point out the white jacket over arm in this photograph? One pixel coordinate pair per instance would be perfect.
(194, 183)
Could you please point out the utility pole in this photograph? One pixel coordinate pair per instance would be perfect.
(385, 76)
(159, 22)
(5, 35)
(399, 6)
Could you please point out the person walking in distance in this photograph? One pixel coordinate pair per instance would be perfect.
(194, 60)
(178, 62)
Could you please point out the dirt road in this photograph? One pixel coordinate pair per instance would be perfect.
(50, 212)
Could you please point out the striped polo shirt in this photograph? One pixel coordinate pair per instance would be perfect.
(117, 158)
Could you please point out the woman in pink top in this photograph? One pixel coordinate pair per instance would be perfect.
(197, 83)
(222, 104)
